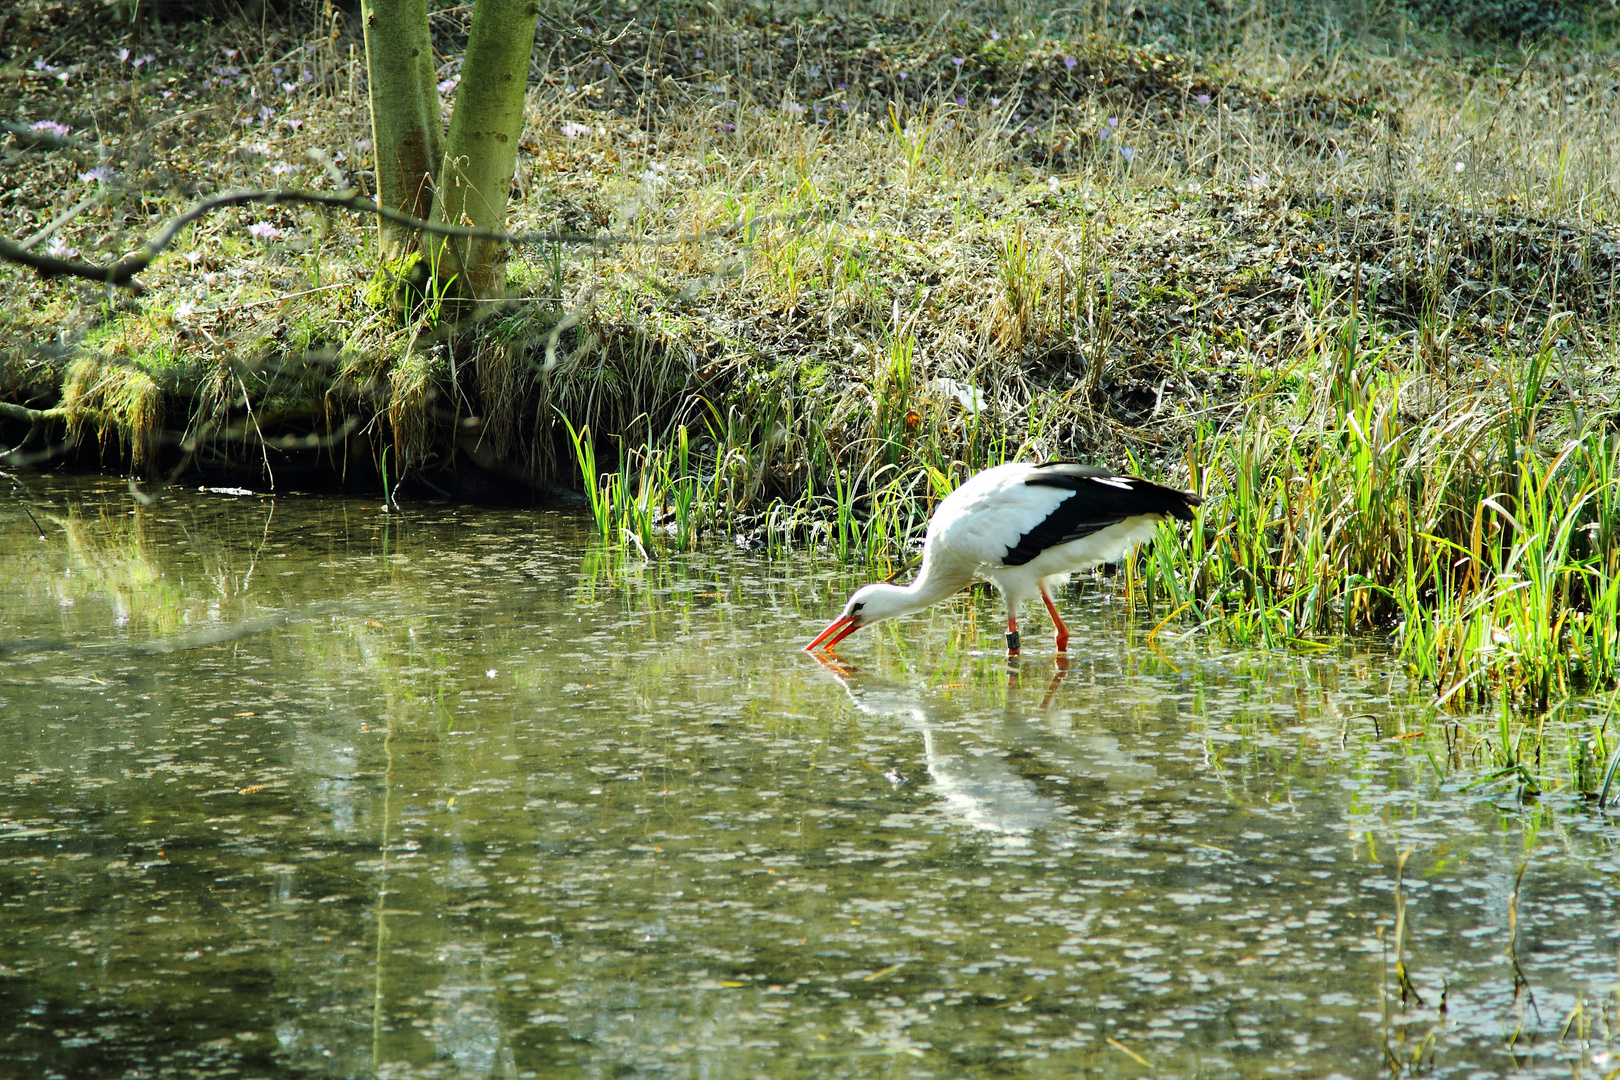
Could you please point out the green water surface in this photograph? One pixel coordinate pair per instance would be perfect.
(296, 787)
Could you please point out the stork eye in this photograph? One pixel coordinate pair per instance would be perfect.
(853, 608)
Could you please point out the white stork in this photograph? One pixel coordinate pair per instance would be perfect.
(1025, 528)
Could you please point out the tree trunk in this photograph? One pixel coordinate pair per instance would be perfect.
(406, 131)
(482, 150)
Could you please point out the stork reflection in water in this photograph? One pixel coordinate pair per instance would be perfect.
(985, 791)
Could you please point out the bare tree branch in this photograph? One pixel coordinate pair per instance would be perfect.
(122, 272)
(11, 411)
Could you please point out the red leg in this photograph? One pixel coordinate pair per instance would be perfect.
(1062, 663)
(1012, 634)
(1057, 621)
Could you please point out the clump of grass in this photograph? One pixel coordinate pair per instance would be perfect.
(121, 400)
(413, 391)
(654, 496)
(1022, 269)
(497, 369)
(1480, 537)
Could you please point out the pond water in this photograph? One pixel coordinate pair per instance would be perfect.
(295, 787)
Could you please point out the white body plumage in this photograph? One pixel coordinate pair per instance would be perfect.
(1023, 527)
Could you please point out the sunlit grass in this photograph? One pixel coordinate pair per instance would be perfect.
(1480, 538)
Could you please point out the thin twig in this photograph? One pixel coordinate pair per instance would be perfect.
(64, 217)
(122, 272)
(272, 300)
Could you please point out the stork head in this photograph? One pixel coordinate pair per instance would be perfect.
(871, 604)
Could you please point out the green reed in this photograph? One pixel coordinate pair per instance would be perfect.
(1480, 539)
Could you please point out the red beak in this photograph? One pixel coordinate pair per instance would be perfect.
(841, 628)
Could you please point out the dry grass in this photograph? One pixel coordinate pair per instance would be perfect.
(1124, 264)
(122, 401)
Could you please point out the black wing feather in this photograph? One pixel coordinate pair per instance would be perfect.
(1100, 499)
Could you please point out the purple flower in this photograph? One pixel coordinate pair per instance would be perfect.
(1069, 62)
(957, 60)
(572, 130)
(960, 100)
(1113, 121)
(1202, 99)
(263, 230)
(449, 84)
(58, 249)
(98, 175)
(995, 35)
(1128, 153)
(50, 127)
(123, 55)
(288, 87)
